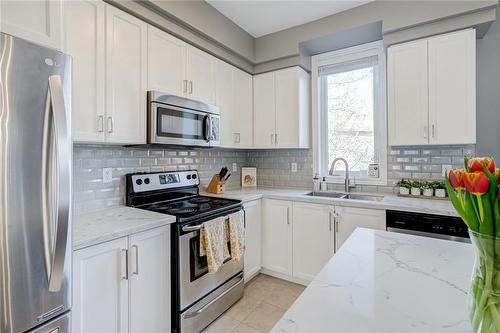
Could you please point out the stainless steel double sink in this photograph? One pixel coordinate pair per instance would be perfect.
(351, 196)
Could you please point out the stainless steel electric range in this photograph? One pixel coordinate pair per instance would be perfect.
(198, 297)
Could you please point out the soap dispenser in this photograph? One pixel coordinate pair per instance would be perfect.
(323, 186)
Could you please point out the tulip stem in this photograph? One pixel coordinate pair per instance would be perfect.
(481, 207)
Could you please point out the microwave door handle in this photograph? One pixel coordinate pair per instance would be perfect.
(206, 128)
(56, 205)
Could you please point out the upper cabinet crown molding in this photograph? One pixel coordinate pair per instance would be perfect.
(37, 21)
(282, 109)
(432, 90)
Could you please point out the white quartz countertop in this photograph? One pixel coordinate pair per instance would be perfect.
(114, 222)
(389, 202)
(387, 282)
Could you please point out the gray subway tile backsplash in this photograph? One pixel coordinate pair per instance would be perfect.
(273, 167)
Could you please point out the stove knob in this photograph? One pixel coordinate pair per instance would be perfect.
(194, 176)
(138, 181)
(188, 176)
(146, 181)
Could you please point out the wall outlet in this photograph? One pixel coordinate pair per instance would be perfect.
(107, 175)
(294, 167)
(445, 168)
(235, 167)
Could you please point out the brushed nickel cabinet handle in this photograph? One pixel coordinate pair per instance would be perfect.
(185, 86)
(100, 124)
(190, 87)
(110, 124)
(136, 270)
(124, 252)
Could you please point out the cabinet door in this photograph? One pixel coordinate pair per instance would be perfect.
(348, 219)
(243, 107)
(126, 65)
(149, 263)
(224, 100)
(277, 236)
(166, 62)
(452, 88)
(312, 239)
(408, 94)
(38, 21)
(287, 107)
(264, 108)
(100, 288)
(253, 239)
(201, 75)
(86, 46)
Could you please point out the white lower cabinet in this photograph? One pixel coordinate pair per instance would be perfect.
(347, 219)
(298, 238)
(253, 239)
(312, 239)
(123, 285)
(150, 281)
(100, 288)
(277, 236)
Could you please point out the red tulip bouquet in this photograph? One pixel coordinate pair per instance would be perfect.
(474, 192)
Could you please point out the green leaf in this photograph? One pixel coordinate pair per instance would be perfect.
(452, 194)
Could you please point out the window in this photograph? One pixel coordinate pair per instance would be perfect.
(349, 112)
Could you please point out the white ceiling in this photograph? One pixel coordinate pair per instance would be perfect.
(262, 17)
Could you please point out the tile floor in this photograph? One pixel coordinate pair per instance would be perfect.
(265, 301)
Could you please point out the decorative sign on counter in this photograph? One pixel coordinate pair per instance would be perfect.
(248, 177)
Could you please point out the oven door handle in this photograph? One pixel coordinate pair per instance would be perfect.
(204, 307)
(192, 228)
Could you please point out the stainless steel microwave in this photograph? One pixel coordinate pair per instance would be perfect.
(179, 121)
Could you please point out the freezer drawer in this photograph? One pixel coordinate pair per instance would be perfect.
(58, 325)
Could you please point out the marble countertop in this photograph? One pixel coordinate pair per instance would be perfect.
(114, 222)
(389, 202)
(386, 282)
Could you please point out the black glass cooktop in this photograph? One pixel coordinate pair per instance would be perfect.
(191, 207)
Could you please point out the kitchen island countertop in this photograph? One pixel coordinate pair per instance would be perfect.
(387, 282)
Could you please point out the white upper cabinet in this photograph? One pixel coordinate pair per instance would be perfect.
(452, 88)
(38, 21)
(281, 109)
(313, 243)
(347, 219)
(408, 94)
(234, 98)
(86, 46)
(277, 236)
(432, 90)
(126, 66)
(243, 109)
(224, 100)
(201, 75)
(166, 62)
(264, 110)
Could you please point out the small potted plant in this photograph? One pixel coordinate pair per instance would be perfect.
(427, 189)
(439, 189)
(415, 188)
(404, 187)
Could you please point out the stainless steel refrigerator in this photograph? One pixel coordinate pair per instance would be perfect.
(35, 188)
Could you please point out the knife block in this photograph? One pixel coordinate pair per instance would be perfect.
(216, 185)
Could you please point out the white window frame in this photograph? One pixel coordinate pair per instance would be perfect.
(319, 111)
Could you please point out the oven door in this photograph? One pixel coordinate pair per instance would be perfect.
(168, 124)
(194, 279)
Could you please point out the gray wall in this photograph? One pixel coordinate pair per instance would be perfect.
(394, 15)
(488, 93)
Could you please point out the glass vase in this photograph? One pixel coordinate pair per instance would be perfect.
(484, 293)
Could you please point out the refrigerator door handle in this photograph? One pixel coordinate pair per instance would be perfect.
(56, 183)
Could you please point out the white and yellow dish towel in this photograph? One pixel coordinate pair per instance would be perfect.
(215, 236)
(213, 243)
(236, 224)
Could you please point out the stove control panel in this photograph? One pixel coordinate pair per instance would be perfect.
(144, 182)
